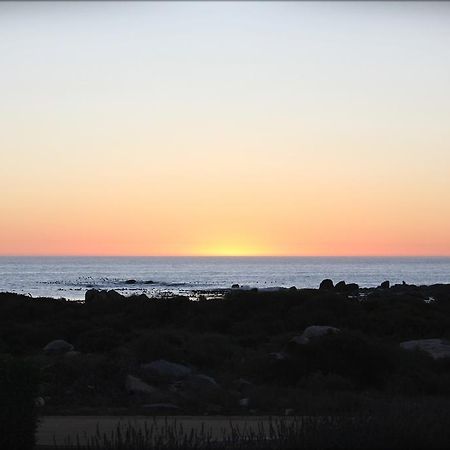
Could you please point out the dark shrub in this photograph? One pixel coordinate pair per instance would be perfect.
(98, 340)
(18, 390)
(363, 362)
(87, 380)
(159, 344)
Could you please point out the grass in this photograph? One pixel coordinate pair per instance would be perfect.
(411, 426)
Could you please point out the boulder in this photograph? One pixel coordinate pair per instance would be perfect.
(385, 285)
(93, 296)
(39, 402)
(130, 282)
(167, 369)
(107, 301)
(235, 286)
(134, 385)
(436, 348)
(313, 331)
(59, 346)
(277, 356)
(342, 286)
(326, 284)
(201, 382)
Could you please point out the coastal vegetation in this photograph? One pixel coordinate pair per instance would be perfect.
(18, 411)
(351, 354)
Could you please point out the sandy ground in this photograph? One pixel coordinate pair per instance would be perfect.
(56, 429)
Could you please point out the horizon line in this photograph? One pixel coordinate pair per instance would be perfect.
(59, 255)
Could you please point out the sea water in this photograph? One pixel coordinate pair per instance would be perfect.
(70, 277)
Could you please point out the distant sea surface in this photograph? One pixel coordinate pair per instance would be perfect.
(70, 277)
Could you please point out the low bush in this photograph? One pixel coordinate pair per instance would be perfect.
(18, 390)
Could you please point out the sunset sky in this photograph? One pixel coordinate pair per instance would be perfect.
(230, 128)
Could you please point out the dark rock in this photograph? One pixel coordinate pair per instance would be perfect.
(59, 346)
(94, 296)
(436, 348)
(351, 287)
(134, 385)
(90, 295)
(167, 369)
(201, 382)
(313, 331)
(385, 285)
(326, 284)
(140, 298)
(277, 356)
(346, 288)
(235, 286)
(130, 282)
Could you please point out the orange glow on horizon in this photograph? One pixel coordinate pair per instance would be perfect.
(147, 128)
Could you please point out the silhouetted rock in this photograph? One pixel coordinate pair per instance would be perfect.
(94, 296)
(235, 286)
(437, 348)
(408, 289)
(130, 282)
(167, 369)
(385, 285)
(58, 346)
(351, 287)
(341, 286)
(90, 295)
(326, 284)
(313, 331)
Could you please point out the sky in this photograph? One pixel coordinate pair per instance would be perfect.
(228, 128)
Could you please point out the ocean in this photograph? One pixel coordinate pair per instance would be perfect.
(70, 277)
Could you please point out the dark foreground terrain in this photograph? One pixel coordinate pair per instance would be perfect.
(339, 351)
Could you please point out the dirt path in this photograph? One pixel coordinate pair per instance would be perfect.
(58, 428)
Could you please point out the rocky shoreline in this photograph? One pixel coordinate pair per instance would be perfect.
(237, 351)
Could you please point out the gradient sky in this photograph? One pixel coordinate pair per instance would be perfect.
(225, 128)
